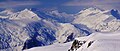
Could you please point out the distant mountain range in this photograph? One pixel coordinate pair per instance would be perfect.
(31, 27)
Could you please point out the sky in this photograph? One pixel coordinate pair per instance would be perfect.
(68, 6)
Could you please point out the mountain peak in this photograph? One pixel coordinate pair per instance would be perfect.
(91, 9)
(91, 17)
(26, 9)
(25, 14)
(28, 14)
(7, 12)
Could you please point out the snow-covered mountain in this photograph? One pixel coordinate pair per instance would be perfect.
(98, 42)
(7, 12)
(30, 28)
(67, 32)
(26, 29)
(97, 20)
(94, 42)
(12, 30)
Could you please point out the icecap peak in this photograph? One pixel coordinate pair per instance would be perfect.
(89, 11)
(24, 14)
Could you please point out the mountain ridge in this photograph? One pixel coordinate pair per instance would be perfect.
(30, 26)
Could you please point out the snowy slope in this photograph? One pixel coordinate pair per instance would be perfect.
(90, 17)
(97, 20)
(101, 42)
(67, 32)
(111, 26)
(13, 33)
(54, 47)
(25, 14)
(7, 12)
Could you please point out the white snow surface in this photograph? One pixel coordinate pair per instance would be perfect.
(54, 47)
(101, 42)
(97, 19)
(12, 31)
(66, 30)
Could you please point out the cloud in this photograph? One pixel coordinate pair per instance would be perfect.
(10, 4)
(103, 4)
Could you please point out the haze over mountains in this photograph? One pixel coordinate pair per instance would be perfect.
(32, 28)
